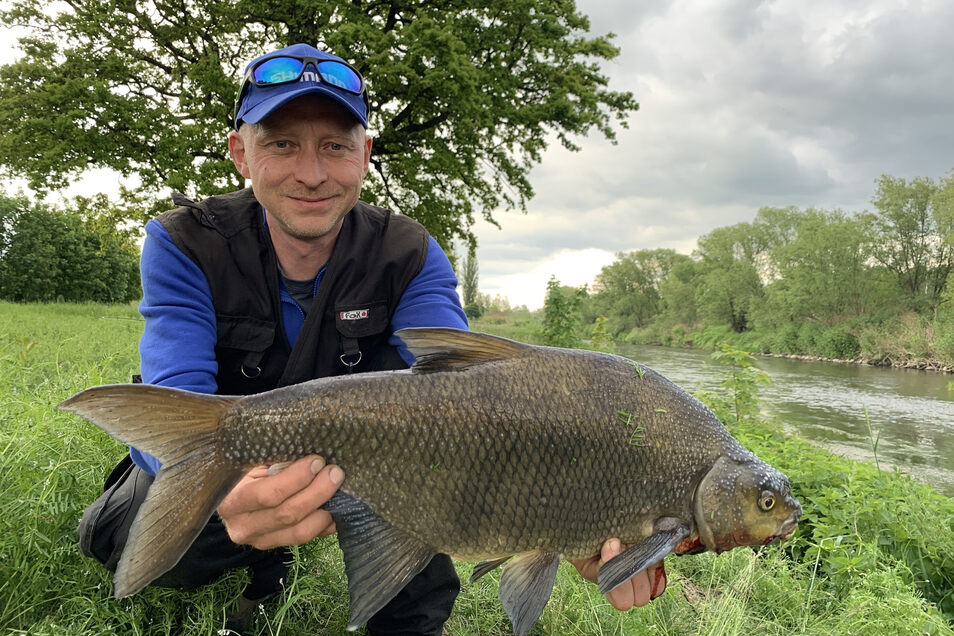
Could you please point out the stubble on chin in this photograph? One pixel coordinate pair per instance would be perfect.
(303, 232)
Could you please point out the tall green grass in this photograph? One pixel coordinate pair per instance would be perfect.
(53, 464)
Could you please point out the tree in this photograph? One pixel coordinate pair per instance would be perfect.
(627, 290)
(730, 284)
(464, 95)
(824, 273)
(53, 254)
(914, 224)
(561, 315)
(468, 281)
(677, 293)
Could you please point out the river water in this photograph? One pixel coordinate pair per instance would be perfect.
(825, 402)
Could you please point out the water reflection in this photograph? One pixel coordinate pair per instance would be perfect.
(825, 403)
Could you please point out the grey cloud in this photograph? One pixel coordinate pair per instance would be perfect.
(743, 105)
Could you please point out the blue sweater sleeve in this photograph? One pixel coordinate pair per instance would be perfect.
(177, 347)
(430, 299)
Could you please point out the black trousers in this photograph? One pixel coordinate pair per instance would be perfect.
(422, 607)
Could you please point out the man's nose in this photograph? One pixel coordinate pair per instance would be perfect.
(310, 168)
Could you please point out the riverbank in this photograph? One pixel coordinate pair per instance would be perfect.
(905, 345)
(918, 365)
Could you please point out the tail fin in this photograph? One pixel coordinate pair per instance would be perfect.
(179, 428)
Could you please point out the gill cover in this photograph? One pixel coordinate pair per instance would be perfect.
(743, 501)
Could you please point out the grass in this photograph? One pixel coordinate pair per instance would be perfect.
(857, 565)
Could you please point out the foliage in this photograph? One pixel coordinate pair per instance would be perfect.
(469, 276)
(561, 315)
(823, 272)
(599, 339)
(473, 311)
(739, 400)
(496, 303)
(914, 221)
(857, 520)
(838, 343)
(51, 254)
(464, 97)
(628, 288)
(729, 281)
(801, 282)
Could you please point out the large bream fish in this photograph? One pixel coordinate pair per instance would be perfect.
(485, 449)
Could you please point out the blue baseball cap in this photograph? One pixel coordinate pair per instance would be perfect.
(258, 98)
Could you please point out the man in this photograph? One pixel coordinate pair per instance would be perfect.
(289, 280)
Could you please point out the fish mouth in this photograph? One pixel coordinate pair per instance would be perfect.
(786, 530)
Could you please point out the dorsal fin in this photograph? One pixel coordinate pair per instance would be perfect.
(445, 349)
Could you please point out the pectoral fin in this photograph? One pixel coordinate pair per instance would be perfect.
(525, 588)
(638, 557)
(379, 559)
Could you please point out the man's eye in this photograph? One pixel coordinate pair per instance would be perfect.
(335, 147)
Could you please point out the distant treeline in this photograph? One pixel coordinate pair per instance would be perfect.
(85, 252)
(827, 283)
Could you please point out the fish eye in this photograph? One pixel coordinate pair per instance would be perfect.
(766, 501)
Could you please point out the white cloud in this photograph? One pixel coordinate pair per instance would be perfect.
(528, 287)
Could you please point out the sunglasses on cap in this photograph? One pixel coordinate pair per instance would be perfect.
(285, 69)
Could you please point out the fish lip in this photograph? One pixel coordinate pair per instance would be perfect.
(788, 528)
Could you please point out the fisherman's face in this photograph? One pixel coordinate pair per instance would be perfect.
(306, 162)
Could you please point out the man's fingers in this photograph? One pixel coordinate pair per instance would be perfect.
(318, 523)
(635, 592)
(272, 491)
(302, 503)
(258, 490)
(611, 548)
(267, 511)
(659, 581)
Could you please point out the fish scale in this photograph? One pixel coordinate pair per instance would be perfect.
(486, 448)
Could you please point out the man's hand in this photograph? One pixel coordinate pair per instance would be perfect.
(636, 592)
(268, 511)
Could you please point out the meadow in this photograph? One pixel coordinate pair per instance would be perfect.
(873, 555)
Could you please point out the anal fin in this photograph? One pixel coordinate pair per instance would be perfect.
(484, 567)
(379, 558)
(638, 557)
(525, 588)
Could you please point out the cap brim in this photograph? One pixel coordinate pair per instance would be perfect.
(262, 110)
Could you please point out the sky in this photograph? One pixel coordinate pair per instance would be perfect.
(743, 104)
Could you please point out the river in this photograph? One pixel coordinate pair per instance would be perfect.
(825, 402)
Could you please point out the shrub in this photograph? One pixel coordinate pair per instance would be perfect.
(785, 339)
(51, 254)
(473, 311)
(809, 333)
(838, 343)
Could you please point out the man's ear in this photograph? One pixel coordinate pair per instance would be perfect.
(367, 153)
(237, 151)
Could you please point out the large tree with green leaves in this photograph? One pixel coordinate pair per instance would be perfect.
(627, 290)
(824, 272)
(914, 220)
(729, 275)
(464, 95)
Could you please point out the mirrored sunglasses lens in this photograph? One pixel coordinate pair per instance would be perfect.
(278, 70)
(339, 75)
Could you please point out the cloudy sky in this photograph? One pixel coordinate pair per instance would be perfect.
(743, 104)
